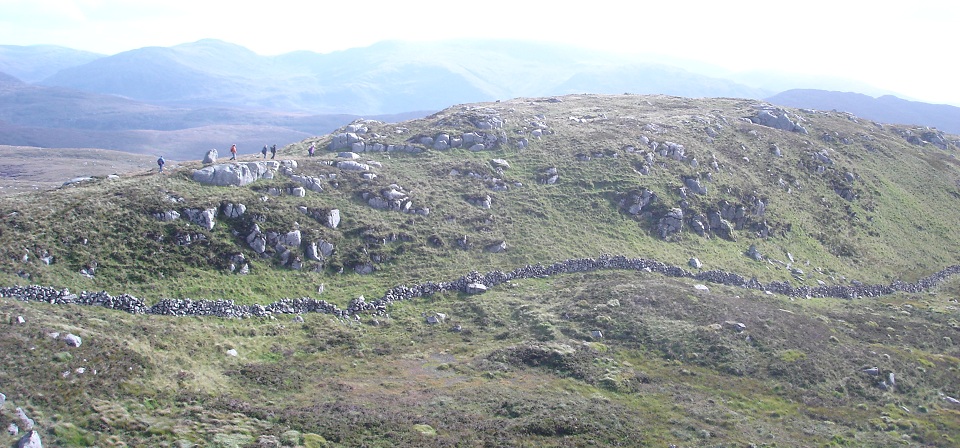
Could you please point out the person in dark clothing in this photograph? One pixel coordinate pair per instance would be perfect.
(310, 150)
(161, 162)
(264, 151)
(273, 151)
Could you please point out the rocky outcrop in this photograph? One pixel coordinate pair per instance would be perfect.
(233, 211)
(637, 202)
(489, 135)
(329, 217)
(484, 202)
(210, 157)
(203, 218)
(394, 198)
(30, 440)
(778, 118)
(234, 174)
(671, 223)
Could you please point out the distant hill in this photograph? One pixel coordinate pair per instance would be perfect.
(104, 101)
(654, 79)
(887, 108)
(56, 117)
(35, 62)
(388, 77)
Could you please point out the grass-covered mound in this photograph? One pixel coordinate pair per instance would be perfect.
(606, 358)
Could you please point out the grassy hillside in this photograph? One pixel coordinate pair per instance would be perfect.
(605, 358)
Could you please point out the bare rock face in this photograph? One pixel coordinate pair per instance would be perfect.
(638, 201)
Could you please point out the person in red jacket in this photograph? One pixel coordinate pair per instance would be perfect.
(233, 152)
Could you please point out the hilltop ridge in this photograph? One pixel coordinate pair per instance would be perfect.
(564, 270)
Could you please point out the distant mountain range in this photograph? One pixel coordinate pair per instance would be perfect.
(187, 98)
(885, 109)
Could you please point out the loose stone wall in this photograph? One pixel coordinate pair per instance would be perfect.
(465, 284)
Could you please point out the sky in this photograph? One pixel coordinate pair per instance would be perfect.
(908, 48)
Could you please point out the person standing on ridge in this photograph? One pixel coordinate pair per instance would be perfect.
(310, 150)
(233, 152)
(273, 151)
(161, 162)
(264, 151)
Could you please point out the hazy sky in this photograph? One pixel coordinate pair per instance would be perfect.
(905, 47)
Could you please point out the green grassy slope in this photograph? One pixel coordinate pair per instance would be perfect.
(525, 369)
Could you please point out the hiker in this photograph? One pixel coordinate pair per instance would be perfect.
(311, 149)
(161, 162)
(233, 152)
(264, 151)
(273, 151)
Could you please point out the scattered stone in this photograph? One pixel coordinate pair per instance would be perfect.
(333, 218)
(25, 422)
(476, 288)
(596, 334)
(232, 352)
(350, 165)
(874, 371)
(72, 340)
(695, 263)
(753, 253)
(550, 176)
(500, 163)
(13, 429)
(738, 326)
(20, 320)
(30, 440)
(497, 248)
(701, 287)
(210, 157)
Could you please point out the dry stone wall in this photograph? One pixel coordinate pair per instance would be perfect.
(471, 283)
